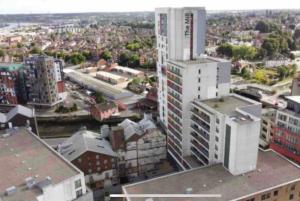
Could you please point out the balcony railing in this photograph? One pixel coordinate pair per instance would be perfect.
(202, 115)
(200, 132)
(201, 123)
(199, 155)
(200, 139)
(200, 148)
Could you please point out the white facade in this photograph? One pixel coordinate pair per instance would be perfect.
(64, 191)
(180, 34)
(226, 130)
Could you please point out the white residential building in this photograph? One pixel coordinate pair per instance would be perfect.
(180, 34)
(31, 170)
(225, 130)
(185, 74)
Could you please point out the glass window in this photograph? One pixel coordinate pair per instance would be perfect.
(78, 183)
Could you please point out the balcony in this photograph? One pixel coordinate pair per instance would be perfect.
(199, 156)
(201, 123)
(174, 103)
(175, 79)
(174, 87)
(174, 132)
(174, 110)
(200, 148)
(202, 115)
(173, 95)
(200, 132)
(200, 140)
(174, 71)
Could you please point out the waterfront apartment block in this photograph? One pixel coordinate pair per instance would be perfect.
(44, 81)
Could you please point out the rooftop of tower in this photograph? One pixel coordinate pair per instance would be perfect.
(199, 60)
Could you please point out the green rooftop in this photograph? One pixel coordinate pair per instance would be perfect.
(10, 66)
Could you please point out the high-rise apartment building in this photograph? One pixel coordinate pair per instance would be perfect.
(43, 80)
(186, 74)
(180, 34)
(11, 83)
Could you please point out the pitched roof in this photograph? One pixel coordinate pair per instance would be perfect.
(131, 127)
(19, 109)
(83, 141)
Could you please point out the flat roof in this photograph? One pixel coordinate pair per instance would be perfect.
(23, 155)
(97, 85)
(295, 99)
(199, 60)
(110, 75)
(226, 104)
(131, 70)
(272, 171)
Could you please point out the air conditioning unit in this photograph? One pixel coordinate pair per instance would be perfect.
(30, 182)
(10, 191)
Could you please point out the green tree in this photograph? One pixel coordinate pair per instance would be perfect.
(245, 73)
(1, 53)
(262, 27)
(36, 50)
(99, 98)
(244, 52)
(225, 49)
(271, 45)
(124, 58)
(106, 54)
(134, 60)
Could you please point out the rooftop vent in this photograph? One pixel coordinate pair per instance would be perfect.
(259, 170)
(220, 181)
(204, 185)
(189, 191)
(149, 199)
(30, 182)
(10, 191)
(5, 135)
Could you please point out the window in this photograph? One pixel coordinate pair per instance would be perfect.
(199, 79)
(275, 193)
(199, 88)
(78, 183)
(106, 175)
(216, 147)
(266, 196)
(98, 163)
(291, 196)
(293, 187)
(217, 139)
(216, 156)
(79, 160)
(79, 193)
(97, 156)
(199, 71)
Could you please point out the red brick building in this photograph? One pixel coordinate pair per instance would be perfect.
(93, 156)
(103, 110)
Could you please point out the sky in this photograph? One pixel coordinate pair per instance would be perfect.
(67, 6)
